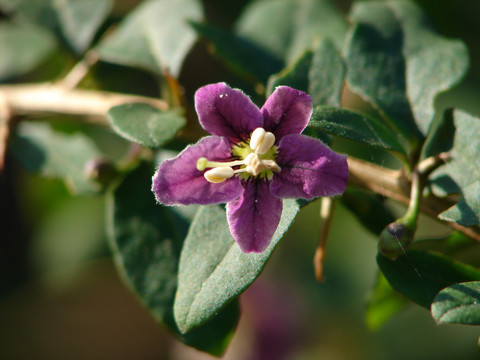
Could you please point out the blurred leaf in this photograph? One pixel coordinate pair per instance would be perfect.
(55, 154)
(287, 28)
(370, 209)
(295, 76)
(355, 126)
(155, 36)
(399, 63)
(78, 20)
(440, 137)
(420, 275)
(213, 270)
(22, 48)
(144, 124)
(464, 170)
(327, 75)
(383, 303)
(146, 239)
(243, 56)
(458, 304)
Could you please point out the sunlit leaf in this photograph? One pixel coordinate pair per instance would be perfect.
(22, 48)
(462, 173)
(144, 124)
(287, 28)
(146, 239)
(155, 36)
(356, 126)
(459, 304)
(213, 270)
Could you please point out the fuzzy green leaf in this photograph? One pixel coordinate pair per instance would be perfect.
(213, 270)
(144, 124)
(146, 239)
(22, 48)
(295, 76)
(54, 154)
(420, 275)
(458, 304)
(357, 127)
(287, 28)
(462, 173)
(397, 62)
(155, 36)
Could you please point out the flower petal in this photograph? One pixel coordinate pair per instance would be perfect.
(254, 216)
(309, 169)
(227, 112)
(177, 181)
(286, 111)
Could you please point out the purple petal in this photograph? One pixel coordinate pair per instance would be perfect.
(177, 181)
(309, 169)
(286, 111)
(227, 112)
(254, 216)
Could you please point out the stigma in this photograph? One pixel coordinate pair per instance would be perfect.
(256, 159)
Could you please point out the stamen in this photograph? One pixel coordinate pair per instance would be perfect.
(219, 174)
(261, 141)
(203, 163)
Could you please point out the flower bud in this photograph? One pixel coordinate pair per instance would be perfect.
(100, 170)
(395, 239)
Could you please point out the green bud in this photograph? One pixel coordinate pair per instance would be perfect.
(395, 239)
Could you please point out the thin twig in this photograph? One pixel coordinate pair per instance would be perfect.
(5, 122)
(326, 215)
(79, 71)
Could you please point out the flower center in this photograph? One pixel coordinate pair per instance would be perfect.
(257, 159)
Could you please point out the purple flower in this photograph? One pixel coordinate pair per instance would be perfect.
(255, 158)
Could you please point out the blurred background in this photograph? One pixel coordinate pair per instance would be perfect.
(61, 298)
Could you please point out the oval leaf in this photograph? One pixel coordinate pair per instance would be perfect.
(213, 270)
(458, 304)
(144, 124)
(155, 36)
(23, 48)
(146, 239)
(420, 275)
(357, 127)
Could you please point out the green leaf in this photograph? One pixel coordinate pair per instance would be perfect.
(399, 63)
(287, 28)
(213, 270)
(295, 76)
(146, 239)
(327, 75)
(370, 209)
(420, 275)
(55, 154)
(383, 303)
(241, 55)
(22, 48)
(155, 36)
(440, 137)
(356, 126)
(78, 20)
(144, 124)
(458, 304)
(462, 173)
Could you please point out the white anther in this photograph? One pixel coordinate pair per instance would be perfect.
(219, 174)
(257, 137)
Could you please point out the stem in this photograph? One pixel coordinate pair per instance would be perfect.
(326, 215)
(79, 71)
